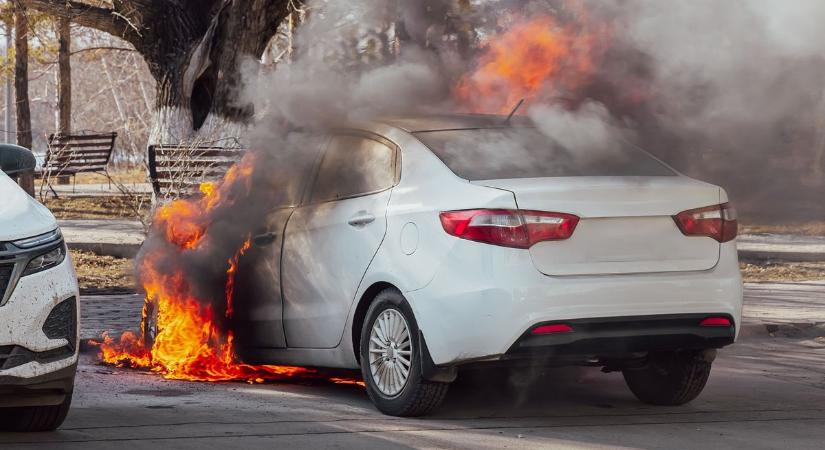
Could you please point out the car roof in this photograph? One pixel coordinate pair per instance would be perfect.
(440, 122)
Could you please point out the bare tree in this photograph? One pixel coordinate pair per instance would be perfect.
(194, 50)
(21, 87)
(64, 77)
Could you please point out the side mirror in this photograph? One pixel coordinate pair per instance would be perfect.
(15, 160)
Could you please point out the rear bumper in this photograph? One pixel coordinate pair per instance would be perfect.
(615, 337)
(484, 299)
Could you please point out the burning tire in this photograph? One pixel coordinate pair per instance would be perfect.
(150, 325)
(34, 418)
(669, 379)
(391, 361)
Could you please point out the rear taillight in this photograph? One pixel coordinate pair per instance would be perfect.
(552, 329)
(509, 228)
(717, 222)
(715, 322)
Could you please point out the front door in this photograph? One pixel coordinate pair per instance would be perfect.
(331, 240)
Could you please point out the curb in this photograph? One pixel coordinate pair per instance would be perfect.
(793, 330)
(757, 256)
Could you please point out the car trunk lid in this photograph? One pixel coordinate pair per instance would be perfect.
(626, 224)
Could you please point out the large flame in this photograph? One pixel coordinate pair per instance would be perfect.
(537, 57)
(189, 344)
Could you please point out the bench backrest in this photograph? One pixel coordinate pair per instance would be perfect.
(177, 170)
(69, 154)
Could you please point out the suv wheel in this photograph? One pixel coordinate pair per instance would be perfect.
(391, 360)
(35, 418)
(669, 379)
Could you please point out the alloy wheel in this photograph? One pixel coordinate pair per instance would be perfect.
(390, 352)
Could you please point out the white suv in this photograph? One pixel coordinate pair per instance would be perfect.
(420, 246)
(38, 308)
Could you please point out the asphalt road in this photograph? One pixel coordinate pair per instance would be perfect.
(764, 393)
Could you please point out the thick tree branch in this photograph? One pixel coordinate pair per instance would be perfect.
(104, 19)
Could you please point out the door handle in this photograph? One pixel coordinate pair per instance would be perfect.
(360, 219)
(264, 239)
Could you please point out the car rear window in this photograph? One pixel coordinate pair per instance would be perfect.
(487, 154)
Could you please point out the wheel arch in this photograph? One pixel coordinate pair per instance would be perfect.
(361, 312)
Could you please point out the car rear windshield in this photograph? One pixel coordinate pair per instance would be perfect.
(487, 154)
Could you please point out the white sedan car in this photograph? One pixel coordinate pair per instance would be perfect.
(38, 308)
(420, 246)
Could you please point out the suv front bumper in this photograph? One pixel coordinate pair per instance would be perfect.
(39, 337)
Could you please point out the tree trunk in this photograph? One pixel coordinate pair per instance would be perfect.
(64, 77)
(21, 87)
(194, 49)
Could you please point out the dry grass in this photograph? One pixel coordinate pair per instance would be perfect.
(124, 176)
(100, 274)
(783, 271)
(98, 207)
(816, 228)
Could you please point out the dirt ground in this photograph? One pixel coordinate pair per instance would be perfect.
(99, 207)
(103, 274)
(783, 271)
(127, 176)
(804, 228)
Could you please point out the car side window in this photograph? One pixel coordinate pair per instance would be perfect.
(352, 166)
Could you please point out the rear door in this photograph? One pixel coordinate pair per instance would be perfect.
(330, 241)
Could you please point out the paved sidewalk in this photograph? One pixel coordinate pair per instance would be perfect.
(112, 313)
(100, 189)
(785, 247)
(120, 238)
(786, 304)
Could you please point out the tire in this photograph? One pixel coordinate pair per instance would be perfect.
(415, 396)
(150, 325)
(669, 379)
(35, 418)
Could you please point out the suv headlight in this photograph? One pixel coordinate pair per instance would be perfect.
(41, 239)
(45, 260)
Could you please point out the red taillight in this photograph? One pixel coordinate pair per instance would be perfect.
(509, 228)
(717, 222)
(715, 322)
(552, 329)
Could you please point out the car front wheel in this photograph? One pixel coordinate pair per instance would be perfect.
(391, 359)
(34, 418)
(669, 379)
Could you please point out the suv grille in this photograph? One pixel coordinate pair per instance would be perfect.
(5, 276)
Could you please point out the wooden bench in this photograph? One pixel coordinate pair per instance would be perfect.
(70, 154)
(178, 170)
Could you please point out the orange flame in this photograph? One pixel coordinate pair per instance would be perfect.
(189, 345)
(532, 58)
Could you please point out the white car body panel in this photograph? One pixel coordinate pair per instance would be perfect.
(33, 296)
(20, 215)
(324, 259)
(22, 317)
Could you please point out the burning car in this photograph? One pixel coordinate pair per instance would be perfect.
(415, 247)
(38, 308)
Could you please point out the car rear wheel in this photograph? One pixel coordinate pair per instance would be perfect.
(35, 418)
(391, 359)
(669, 379)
